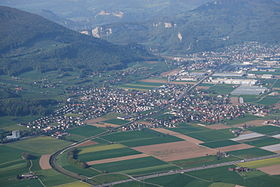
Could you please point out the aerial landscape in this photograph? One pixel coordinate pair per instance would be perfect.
(169, 93)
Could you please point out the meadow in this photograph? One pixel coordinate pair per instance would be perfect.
(268, 129)
(222, 143)
(250, 153)
(86, 131)
(263, 141)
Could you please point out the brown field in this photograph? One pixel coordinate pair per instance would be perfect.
(234, 100)
(176, 150)
(170, 73)
(234, 147)
(252, 123)
(217, 127)
(202, 87)
(104, 125)
(86, 143)
(271, 170)
(117, 159)
(96, 120)
(165, 81)
(179, 135)
(44, 162)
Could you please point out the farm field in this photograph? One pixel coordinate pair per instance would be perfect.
(262, 141)
(86, 131)
(140, 138)
(222, 143)
(74, 184)
(261, 163)
(251, 179)
(250, 153)
(200, 161)
(107, 178)
(212, 135)
(116, 121)
(150, 170)
(128, 164)
(97, 148)
(221, 89)
(268, 129)
(86, 157)
(34, 145)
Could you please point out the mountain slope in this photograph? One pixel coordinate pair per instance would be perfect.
(31, 42)
(215, 24)
(90, 13)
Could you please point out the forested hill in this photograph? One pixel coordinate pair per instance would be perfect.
(30, 42)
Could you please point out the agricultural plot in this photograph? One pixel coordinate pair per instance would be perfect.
(178, 180)
(51, 177)
(247, 136)
(221, 143)
(140, 85)
(263, 141)
(221, 89)
(268, 129)
(261, 163)
(251, 179)
(107, 178)
(40, 145)
(273, 148)
(75, 184)
(212, 135)
(269, 100)
(128, 164)
(150, 170)
(116, 121)
(250, 153)
(201, 161)
(86, 131)
(140, 138)
(107, 154)
(9, 154)
(97, 148)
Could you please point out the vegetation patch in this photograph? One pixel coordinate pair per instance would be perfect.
(98, 148)
(263, 141)
(217, 144)
(116, 121)
(86, 131)
(129, 164)
(212, 135)
(268, 129)
(260, 163)
(250, 153)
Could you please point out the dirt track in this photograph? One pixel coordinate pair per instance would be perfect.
(117, 159)
(176, 151)
(182, 136)
(44, 162)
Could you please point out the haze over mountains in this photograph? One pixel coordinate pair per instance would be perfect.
(30, 42)
(173, 27)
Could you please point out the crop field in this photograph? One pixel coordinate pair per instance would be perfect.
(246, 118)
(97, 148)
(116, 121)
(139, 138)
(75, 184)
(86, 131)
(260, 163)
(263, 141)
(152, 169)
(107, 154)
(185, 128)
(251, 179)
(212, 135)
(221, 89)
(270, 100)
(34, 145)
(9, 154)
(221, 143)
(142, 85)
(128, 164)
(51, 177)
(250, 153)
(268, 129)
(178, 180)
(200, 161)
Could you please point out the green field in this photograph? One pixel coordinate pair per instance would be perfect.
(138, 138)
(116, 121)
(139, 85)
(221, 143)
(107, 178)
(128, 164)
(268, 129)
(261, 163)
(40, 145)
(107, 154)
(212, 135)
(221, 89)
(263, 141)
(250, 153)
(9, 154)
(75, 184)
(11, 122)
(51, 177)
(86, 131)
(178, 180)
(239, 120)
(150, 170)
(269, 100)
(201, 161)
(250, 179)
(97, 148)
